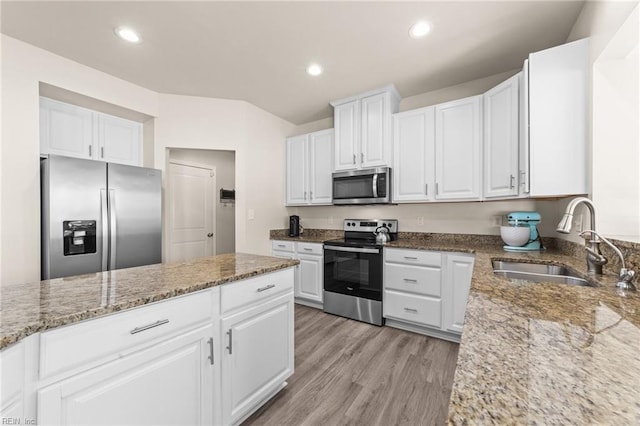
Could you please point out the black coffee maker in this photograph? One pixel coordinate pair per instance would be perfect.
(294, 226)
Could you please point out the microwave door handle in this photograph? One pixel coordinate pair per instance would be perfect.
(374, 184)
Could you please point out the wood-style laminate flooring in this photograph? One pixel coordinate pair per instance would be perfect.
(351, 373)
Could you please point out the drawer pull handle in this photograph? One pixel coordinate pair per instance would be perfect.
(411, 310)
(411, 258)
(210, 341)
(230, 347)
(307, 249)
(148, 326)
(267, 287)
(281, 245)
(410, 280)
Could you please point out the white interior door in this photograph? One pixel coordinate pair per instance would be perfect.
(191, 212)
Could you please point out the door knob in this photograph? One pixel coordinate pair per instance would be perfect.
(210, 234)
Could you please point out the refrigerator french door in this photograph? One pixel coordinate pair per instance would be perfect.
(98, 216)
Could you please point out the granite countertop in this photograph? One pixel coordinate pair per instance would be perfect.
(30, 308)
(542, 353)
(538, 353)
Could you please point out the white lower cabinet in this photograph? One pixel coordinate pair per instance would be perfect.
(457, 280)
(12, 367)
(426, 291)
(309, 274)
(258, 352)
(169, 383)
(158, 366)
(206, 358)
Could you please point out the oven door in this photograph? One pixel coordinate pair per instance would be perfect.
(353, 271)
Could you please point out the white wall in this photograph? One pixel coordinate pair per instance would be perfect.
(23, 68)
(224, 164)
(614, 31)
(257, 138)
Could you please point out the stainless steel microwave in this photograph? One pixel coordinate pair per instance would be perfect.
(367, 186)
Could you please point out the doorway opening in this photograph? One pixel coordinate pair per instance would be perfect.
(200, 187)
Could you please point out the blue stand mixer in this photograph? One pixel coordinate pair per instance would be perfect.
(530, 220)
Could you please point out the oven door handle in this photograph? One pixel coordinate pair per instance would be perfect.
(353, 249)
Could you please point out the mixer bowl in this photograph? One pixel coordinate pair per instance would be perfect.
(515, 236)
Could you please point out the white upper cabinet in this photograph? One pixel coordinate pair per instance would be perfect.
(78, 132)
(320, 167)
(558, 120)
(414, 155)
(363, 129)
(65, 129)
(501, 139)
(120, 140)
(296, 148)
(309, 160)
(458, 142)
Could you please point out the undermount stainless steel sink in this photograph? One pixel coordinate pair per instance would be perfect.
(537, 272)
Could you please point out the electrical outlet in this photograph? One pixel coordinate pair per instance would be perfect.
(251, 214)
(420, 220)
(330, 220)
(497, 221)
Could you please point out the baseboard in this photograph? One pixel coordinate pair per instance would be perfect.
(309, 303)
(415, 328)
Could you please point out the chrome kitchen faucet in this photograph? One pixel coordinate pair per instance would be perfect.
(595, 258)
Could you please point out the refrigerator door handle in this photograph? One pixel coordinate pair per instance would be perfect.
(104, 215)
(112, 229)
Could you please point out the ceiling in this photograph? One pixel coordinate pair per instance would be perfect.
(258, 51)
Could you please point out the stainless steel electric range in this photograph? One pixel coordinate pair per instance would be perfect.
(353, 270)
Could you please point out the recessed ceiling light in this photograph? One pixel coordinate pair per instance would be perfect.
(314, 70)
(128, 34)
(420, 29)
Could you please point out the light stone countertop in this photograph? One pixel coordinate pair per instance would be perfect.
(541, 353)
(29, 308)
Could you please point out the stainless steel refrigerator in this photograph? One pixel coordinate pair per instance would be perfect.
(98, 216)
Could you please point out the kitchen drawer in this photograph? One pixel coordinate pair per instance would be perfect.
(238, 294)
(413, 257)
(409, 307)
(89, 342)
(414, 279)
(310, 248)
(289, 246)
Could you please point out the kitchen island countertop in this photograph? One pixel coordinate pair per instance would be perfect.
(33, 307)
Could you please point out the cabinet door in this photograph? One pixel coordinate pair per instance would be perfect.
(258, 356)
(559, 120)
(456, 290)
(320, 167)
(169, 383)
(414, 155)
(12, 369)
(120, 140)
(311, 274)
(501, 139)
(458, 148)
(375, 137)
(347, 134)
(297, 170)
(65, 129)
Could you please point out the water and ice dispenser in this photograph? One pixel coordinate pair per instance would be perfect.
(79, 237)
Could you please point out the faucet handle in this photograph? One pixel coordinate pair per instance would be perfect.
(595, 256)
(625, 279)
